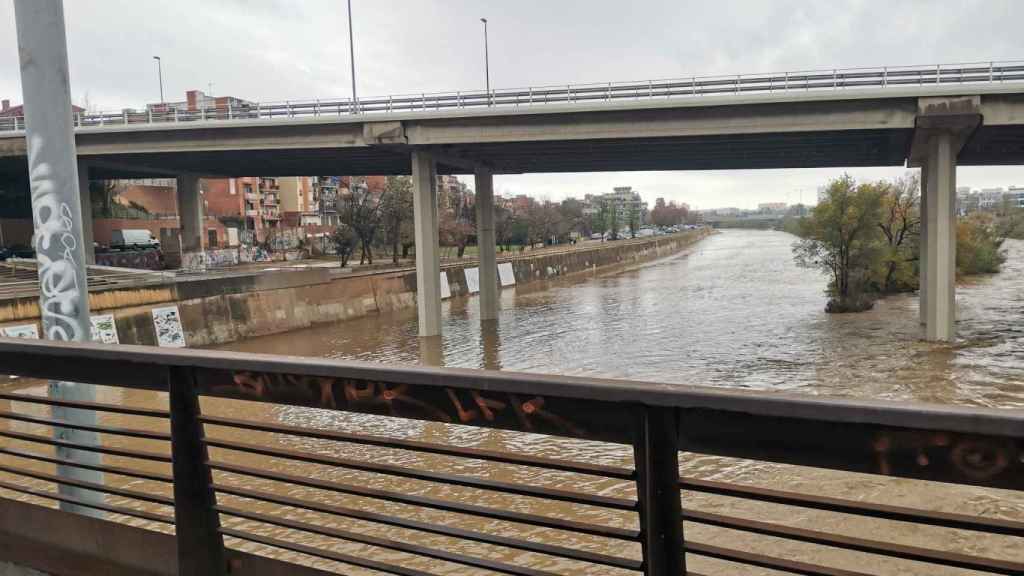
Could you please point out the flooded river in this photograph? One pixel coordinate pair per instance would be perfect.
(732, 311)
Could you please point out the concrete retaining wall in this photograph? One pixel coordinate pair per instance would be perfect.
(226, 309)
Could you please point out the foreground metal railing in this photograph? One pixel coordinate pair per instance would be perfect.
(497, 509)
(994, 72)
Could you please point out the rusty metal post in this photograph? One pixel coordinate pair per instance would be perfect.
(656, 457)
(197, 523)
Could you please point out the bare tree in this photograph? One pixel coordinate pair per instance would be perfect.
(900, 224)
(362, 210)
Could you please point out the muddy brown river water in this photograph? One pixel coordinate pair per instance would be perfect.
(731, 311)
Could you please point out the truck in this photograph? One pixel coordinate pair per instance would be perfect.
(133, 240)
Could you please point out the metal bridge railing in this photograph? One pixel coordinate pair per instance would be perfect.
(803, 80)
(496, 509)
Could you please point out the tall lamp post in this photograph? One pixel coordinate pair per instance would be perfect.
(160, 74)
(487, 63)
(352, 58)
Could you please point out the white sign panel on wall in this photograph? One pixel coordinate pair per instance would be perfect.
(446, 290)
(472, 280)
(104, 329)
(507, 275)
(169, 332)
(24, 331)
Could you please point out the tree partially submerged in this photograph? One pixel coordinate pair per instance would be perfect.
(841, 239)
(866, 237)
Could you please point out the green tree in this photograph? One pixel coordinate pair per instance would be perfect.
(842, 239)
(979, 245)
(634, 220)
(398, 215)
(612, 224)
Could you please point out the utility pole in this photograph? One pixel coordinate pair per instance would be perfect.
(57, 217)
(487, 63)
(160, 74)
(352, 59)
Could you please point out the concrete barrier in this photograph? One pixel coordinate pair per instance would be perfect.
(228, 308)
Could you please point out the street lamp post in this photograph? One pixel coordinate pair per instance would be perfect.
(160, 74)
(352, 58)
(487, 63)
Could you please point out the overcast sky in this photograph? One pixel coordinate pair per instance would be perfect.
(280, 50)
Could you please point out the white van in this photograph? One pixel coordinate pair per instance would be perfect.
(133, 240)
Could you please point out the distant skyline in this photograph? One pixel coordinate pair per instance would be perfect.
(274, 50)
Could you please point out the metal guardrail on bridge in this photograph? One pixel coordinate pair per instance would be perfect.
(212, 496)
(993, 72)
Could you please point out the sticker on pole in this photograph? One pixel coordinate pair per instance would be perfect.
(446, 289)
(167, 322)
(507, 275)
(472, 280)
(30, 331)
(104, 329)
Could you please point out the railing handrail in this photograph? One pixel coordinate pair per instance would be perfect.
(982, 72)
(956, 445)
(40, 358)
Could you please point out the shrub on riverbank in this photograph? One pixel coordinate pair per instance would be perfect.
(978, 245)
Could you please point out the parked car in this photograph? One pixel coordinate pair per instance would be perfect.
(16, 251)
(133, 240)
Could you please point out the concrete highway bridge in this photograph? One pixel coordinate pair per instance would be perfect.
(932, 117)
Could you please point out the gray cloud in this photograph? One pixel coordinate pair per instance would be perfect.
(277, 50)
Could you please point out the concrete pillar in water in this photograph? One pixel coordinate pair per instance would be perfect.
(940, 240)
(428, 255)
(86, 198)
(486, 243)
(190, 222)
(922, 263)
(57, 216)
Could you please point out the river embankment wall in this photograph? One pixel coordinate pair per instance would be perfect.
(226, 308)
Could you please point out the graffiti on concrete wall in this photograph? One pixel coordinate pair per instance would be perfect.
(223, 257)
(104, 329)
(30, 331)
(193, 261)
(167, 322)
(139, 259)
(253, 254)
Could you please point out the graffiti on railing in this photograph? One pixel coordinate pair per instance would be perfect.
(521, 412)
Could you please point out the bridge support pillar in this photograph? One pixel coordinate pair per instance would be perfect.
(428, 258)
(486, 244)
(86, 200)
(922, 262)
(942, 126)
(190, 222)
(939, 238)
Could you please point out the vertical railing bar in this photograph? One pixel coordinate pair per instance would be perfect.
(656, 460)
(197, 523)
